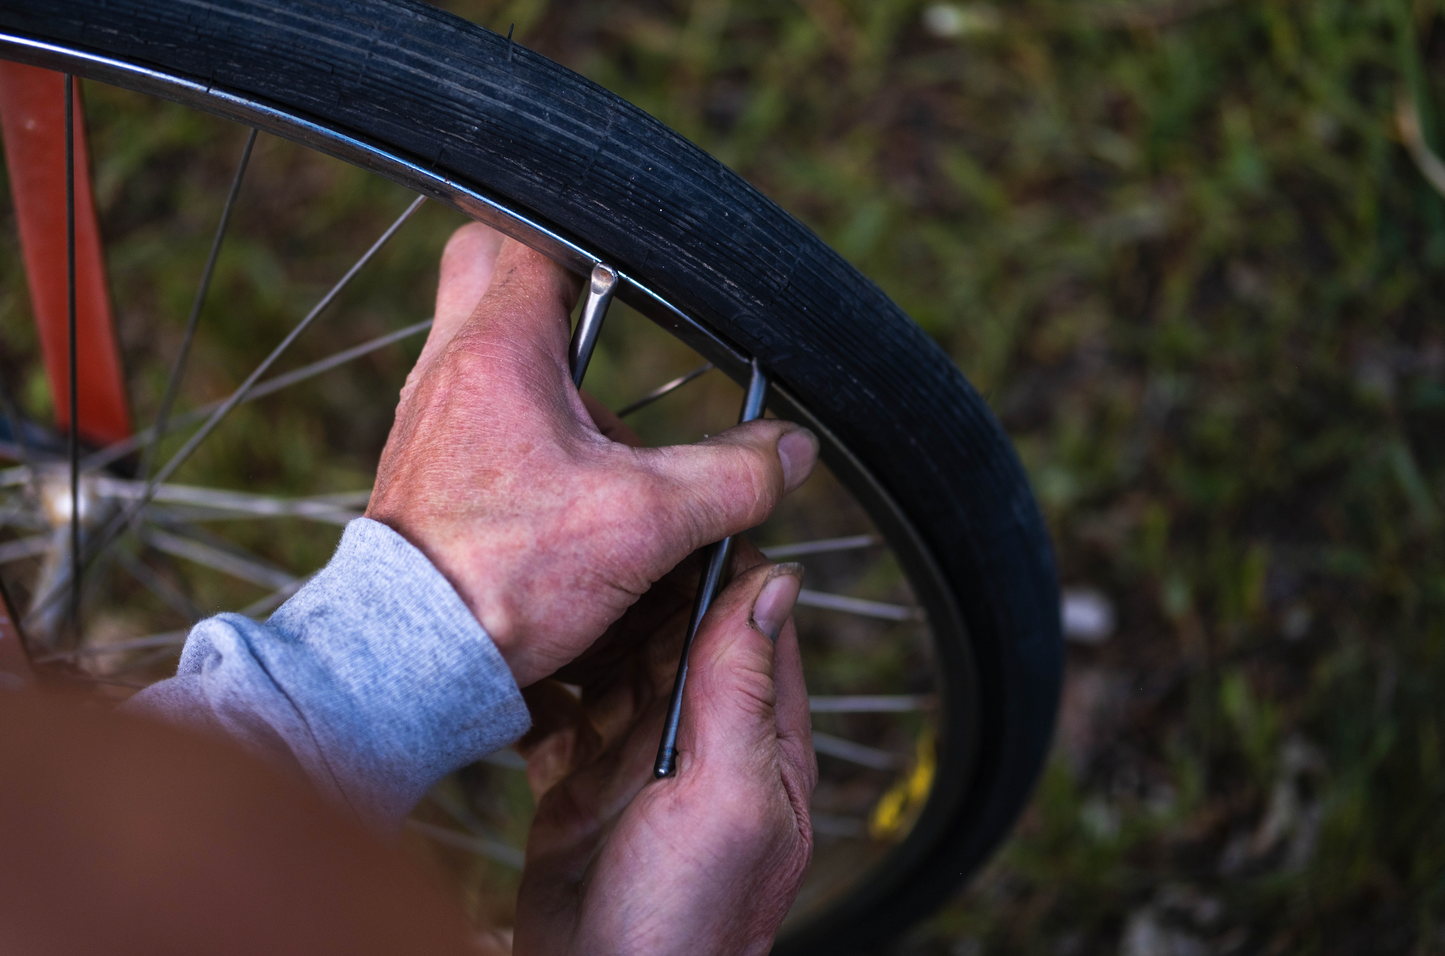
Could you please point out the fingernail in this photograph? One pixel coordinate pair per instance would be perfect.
(798, 450)
(775, 601)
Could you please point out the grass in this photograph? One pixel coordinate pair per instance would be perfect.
(1179, 246)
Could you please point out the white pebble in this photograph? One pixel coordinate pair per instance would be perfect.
(949, 20)
(1088, 615)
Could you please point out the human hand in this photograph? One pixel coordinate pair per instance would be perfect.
(548, 529)
(706, 861)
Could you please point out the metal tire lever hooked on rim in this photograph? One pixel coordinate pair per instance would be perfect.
(717, 561)
(599, 296)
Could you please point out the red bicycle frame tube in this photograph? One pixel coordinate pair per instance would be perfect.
(32, 115)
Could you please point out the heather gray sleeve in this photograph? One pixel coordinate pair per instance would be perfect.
(375, 679)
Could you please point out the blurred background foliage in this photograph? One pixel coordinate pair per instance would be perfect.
(1182, 249)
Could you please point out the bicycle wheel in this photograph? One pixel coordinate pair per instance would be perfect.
(466, 117)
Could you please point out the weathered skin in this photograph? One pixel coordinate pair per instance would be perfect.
(551, 522)
(548, 528)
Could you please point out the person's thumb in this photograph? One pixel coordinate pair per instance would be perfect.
(729, 482)
(745, 695)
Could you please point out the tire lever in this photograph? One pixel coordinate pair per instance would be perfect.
(707, 588)
(579, 354)
(584, 339)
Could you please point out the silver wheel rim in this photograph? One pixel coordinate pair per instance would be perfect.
(958, 684)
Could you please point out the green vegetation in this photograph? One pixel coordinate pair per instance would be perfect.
(1180, 247)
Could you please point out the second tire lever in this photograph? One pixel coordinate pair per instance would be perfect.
(717, 561)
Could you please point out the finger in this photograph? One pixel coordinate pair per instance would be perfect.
(746, 556)
(730, 718)
(526, 310)
(652, 627)
(577, 810)
(609, 424)
(795, 722)
(728, 483)
(648, 635)
(561, 737)
(467, 264)
(510, 355)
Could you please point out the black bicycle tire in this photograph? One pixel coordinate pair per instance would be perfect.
(471, 104)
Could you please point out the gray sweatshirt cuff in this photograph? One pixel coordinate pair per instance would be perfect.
(374, 678)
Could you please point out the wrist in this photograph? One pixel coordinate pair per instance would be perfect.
(453, 562)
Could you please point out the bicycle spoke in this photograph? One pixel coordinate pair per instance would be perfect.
(117, 450)
(80, 678)
(122, 448)
(112, 669)
(16, 671)
(860, 754)
(848, 605)
(24, 548)
(871, 704)
(73, 358)
(494, 850)
(249, 384)
(462, 815)
(851, 543)
(152, 511)
(124, 518)
(275, 599)
(340, 358)
(142, 662)
(664, 389)
(165, 516)
(178, 369)
(228, 562)
(459, 811)
(166, 639)
(19, 516)
(171, 595)
(323, 509)
(344, 499)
